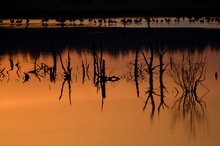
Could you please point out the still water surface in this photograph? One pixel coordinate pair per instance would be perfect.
(65, 87)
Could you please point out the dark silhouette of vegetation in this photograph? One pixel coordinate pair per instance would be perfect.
(161, 72)
(2, 75)
(11, 64)
(66, 76)
(150, 70)
(18, 68)
(136, 73)
(11, 68)
(146, 67)
(53, 69)
(41, 69)
(26, 77)
(85, 70)
(36, 69)
(216, 75)
(100, 77)
(188, 74)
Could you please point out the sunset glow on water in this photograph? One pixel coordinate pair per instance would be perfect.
(109, 73)
(33, 114)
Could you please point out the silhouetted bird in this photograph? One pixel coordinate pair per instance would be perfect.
(12, 20)
(201, 21)
(27, 22)
(123, 21)
(45, 20)
(110, 21)
(167, 20)
(100, 20)
(61, 20)
(129, 20)
(81, 20)
(19, 21)
(90, 19)
(137, 21)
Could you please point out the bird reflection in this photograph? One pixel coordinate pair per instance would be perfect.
(188, 74)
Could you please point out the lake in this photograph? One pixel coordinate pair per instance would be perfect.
(81, 83)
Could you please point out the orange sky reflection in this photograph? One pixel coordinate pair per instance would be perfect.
(31, 113)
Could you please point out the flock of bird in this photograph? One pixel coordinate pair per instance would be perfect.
(110, 21)
(126, 21)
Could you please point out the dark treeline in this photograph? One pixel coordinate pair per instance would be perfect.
(106, 8)
(115, 41)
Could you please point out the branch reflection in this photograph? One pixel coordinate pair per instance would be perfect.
(146, 67)
(188, 73)
(66, 77)
(161, 53)
(150, 68)
(100, 77)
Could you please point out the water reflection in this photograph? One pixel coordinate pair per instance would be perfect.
(144, 67)
(67, 76)
(100, 77)
(150, 64)
(189, 73)
(150, 68)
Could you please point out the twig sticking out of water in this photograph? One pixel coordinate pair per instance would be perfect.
(67, 77)
(18, 68)
(136, 74)
(11, 64)
(161, 71)
(2, 75)
(36, 69)
(26, 77)
(100, 78)
(188, 74)
(149, 70)
(53, 70)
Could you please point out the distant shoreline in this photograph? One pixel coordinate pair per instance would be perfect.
(85, 11)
